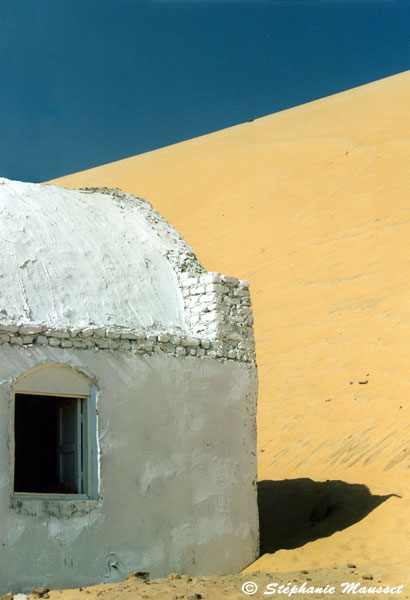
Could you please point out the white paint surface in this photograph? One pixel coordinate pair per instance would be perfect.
(75, 258)
(177, 473)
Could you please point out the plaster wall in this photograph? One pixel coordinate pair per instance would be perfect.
(177, 485)
(87, 257)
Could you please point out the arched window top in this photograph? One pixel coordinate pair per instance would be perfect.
(53, 379)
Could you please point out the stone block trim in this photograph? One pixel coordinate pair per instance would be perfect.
(125, 340)
(218, 307)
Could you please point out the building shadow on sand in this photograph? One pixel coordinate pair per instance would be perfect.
(293, 512)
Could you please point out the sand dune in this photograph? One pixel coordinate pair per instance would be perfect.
(311, 205)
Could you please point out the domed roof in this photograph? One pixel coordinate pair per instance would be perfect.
(73, 258)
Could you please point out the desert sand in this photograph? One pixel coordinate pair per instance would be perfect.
(340, 583)
(311, 205)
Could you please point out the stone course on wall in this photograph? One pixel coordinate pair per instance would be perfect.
(119, 339)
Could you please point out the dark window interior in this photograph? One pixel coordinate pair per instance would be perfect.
(46, 444)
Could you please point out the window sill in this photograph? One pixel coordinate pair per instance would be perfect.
(44, 496)
(62, 506)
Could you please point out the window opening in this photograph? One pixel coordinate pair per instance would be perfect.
(51, 446)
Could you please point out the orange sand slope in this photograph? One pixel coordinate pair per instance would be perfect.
(311, 205)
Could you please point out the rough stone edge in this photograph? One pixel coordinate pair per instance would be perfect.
(218, 307)
(181, 257)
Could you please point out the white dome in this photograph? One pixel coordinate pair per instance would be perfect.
(73, 258)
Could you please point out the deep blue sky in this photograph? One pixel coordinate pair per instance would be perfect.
(86, 82)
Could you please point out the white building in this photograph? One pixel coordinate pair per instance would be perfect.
(127, 396)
